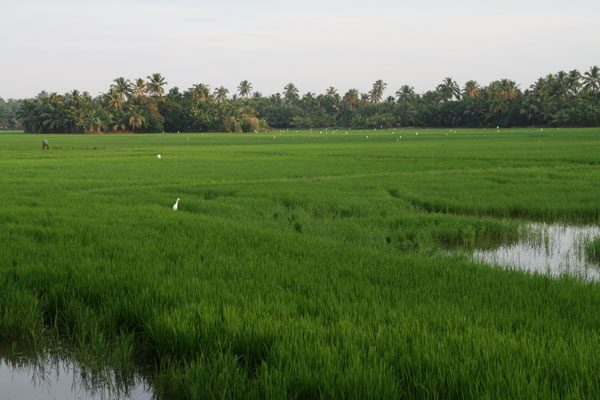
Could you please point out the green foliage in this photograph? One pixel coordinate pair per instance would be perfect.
(565, 99)
(250, 124)
(305, 266)
(592, 250)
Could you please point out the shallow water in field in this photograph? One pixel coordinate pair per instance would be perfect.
(547, 249)
(54, 376)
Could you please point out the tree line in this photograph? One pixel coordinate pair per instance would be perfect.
(8, 113)
(141, 105)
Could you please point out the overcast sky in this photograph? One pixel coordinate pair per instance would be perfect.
(58, 46)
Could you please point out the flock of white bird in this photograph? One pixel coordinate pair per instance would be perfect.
(176, 205)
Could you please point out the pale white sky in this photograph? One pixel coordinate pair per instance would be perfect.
(64, 45)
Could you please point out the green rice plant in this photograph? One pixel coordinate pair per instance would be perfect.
(592, 250)
(302, 267)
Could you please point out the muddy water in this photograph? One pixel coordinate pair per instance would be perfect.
(548, 249)
(56, 376)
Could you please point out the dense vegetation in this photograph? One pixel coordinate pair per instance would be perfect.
(303, 265)
(561, 99)
(8, 114)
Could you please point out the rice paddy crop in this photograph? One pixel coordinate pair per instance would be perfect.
(303, 265)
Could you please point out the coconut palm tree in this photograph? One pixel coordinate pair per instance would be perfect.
(245, 88)
(500, 93)
(221, 94)
(155, 85)
(471, 89)
(509, 89)
(290, 93)
(376, 93)
(365, 98)
(448, 89)
(136, 119)
(114, 99)
(123, 87)
(405, 93)
(591, 79)
(351, 98)
(139, 88)
(201, 93)
(574, 81)
(75, 96)
(331, 91)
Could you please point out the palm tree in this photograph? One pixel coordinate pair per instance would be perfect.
(114, 99)
(405, 93)
(136, 119)
(123, 87)
(500, 93)
(139, 88)
(377, 92)
(245, 88)
(448, 89)
(119, 120)
(28, 116)
(574, 81)
(471, 89)
(331, 91)
(201, 93)
(290, 93)
(365, 98)
(221, 94)
(76, 96)
(509, 89)
(351, 98)
(155, 85)
(591, 79)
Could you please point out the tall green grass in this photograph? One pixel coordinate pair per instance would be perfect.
(305, 266)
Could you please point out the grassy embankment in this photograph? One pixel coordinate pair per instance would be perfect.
(304, 266)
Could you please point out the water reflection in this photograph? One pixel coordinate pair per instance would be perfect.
(56, 376)
(548, 249)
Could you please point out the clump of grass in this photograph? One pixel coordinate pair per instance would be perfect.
(419, 232)
(592, 250)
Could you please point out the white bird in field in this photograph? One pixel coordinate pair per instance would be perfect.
(176, 205)
(417, 134)
(159, 156)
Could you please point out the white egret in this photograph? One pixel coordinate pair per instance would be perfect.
(159, 156)
(176, 205)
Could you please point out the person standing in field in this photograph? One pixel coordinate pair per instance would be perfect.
(45, 145)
